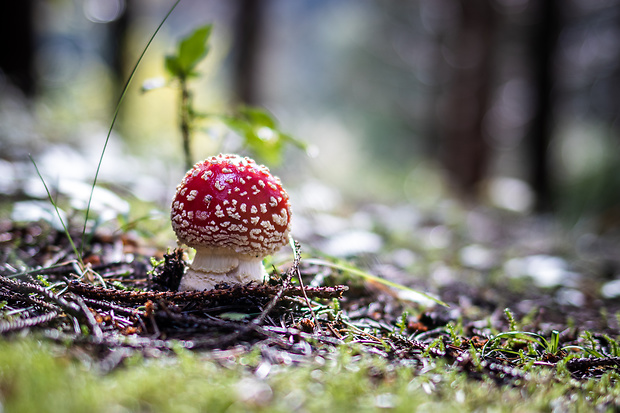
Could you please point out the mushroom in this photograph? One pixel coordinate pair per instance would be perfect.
(233, 212)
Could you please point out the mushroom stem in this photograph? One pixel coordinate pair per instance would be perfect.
(210, 268)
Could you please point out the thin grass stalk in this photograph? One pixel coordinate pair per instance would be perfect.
(115, 116)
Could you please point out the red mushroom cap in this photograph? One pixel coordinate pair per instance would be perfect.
(228, 202)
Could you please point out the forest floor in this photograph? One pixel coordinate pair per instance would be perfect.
(530, 321)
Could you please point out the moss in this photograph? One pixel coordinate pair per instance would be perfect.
(36, 377)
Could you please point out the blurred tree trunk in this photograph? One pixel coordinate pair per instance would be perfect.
(17, 53)
(465, 151)
(542, 47)
(248, 35)
(118, 37)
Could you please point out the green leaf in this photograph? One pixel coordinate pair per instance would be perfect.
(171, 63)
(232, 316)
(589, 351)
(258, 117)
(260, 133)
(191, 50)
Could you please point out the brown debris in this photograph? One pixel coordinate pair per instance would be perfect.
(168, 277)
(592, 367)
(146, 314)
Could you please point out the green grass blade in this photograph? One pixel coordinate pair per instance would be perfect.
(554, 344)
(367, 276)
(115, 116)
(589, 351)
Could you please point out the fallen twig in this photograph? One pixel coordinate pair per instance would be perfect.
(22, 323)
(224, 294)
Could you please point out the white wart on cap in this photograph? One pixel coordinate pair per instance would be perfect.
(234, 213)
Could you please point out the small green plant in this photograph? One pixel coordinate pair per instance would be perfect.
(517, 337)
(536, 344)
(258, 129)
(181, 66)
(588, 337)
(512, 321)
(456, 332)
(437, 344)
(402, 322)
(613, 346)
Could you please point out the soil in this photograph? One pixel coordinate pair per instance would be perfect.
(105, 304)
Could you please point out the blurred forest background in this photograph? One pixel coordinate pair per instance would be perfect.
(512, 103)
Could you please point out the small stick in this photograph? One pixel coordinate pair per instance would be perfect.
(286, 283)
(20, 324)
(221, 294)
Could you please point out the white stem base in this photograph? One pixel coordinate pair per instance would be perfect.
(209, 269)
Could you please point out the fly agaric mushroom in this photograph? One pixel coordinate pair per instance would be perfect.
(234, 213)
